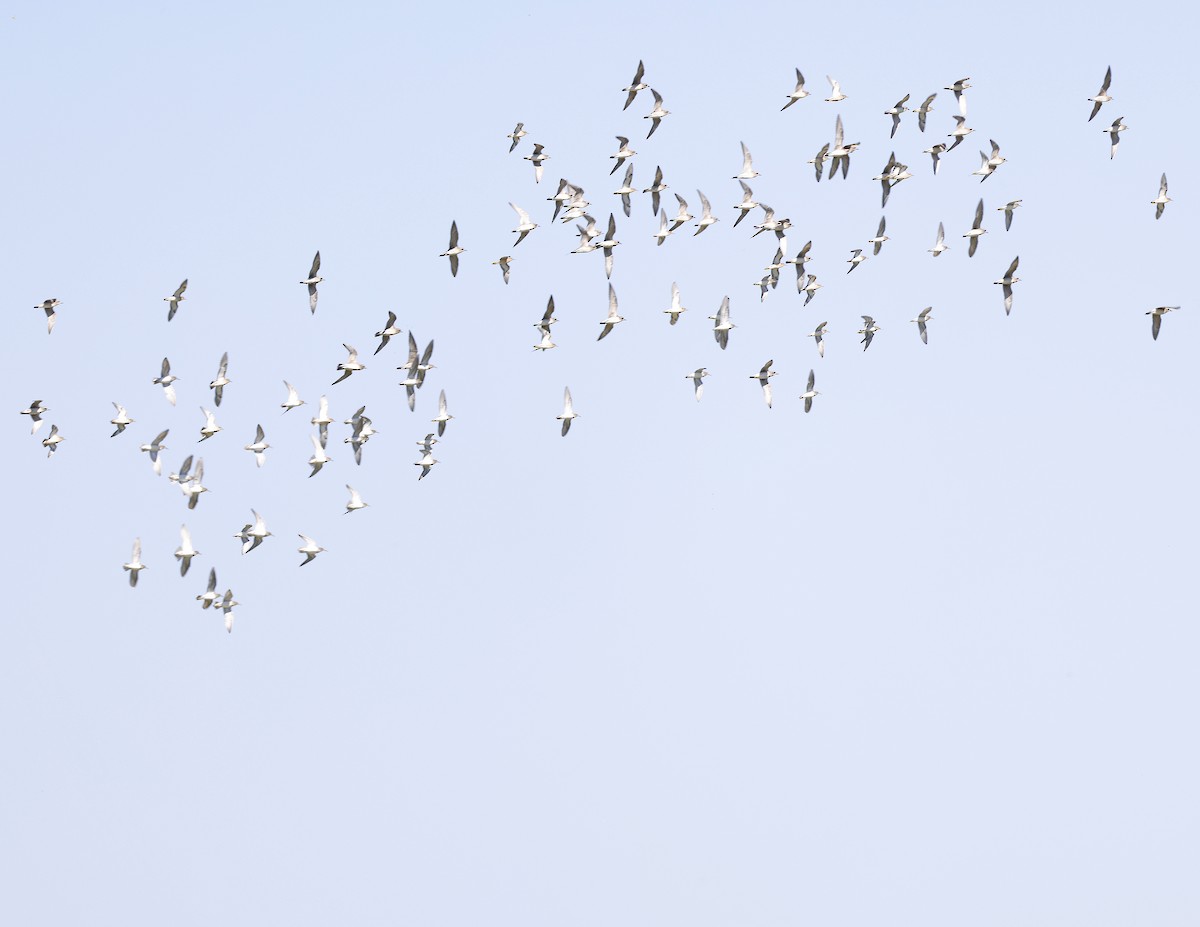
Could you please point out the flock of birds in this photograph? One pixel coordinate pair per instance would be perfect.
(571, 206)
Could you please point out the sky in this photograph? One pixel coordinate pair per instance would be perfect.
(924, 655)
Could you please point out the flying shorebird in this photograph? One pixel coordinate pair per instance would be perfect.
(443, 416)
(310, 550)
(1160, 201)
(516, 135)
(1114, 135)
(706, 217)
(193, 487)
(543, 324)
(536, 160)
(210, 426)
(818, 336)
(976, 230)
(940, 245)
(747, 205)
(568, 413)
(135, 565)
(613, 318)
(1007, 209)
(683, 216)
(254, 535)
(391, 329)
(182, 476)
(818, 162)
(658, 114)
(350, 365)
(624, 153)
(676, 309)
(895, 112)
(547, 342)
(655, 190)
(637, 85)
(153, 449)
(524, 224)
(879, 238)
(722, 326)
(566, 192)
(840, 153)
(505, 264)
(167, 381)
(1103, 96)
(799, 93)
(293, 398)
(764, 378)
(811, 392)
(856, 258)
(355, 502)
(121, 419)
(227, 605)
(697, 377)
(323, 420)
(311, 282)
(836, 95)
(748, 172)
(49, 306)
(174, 300)
(922, 318)
(868, 331)
(1006, 283)
(186, 551)
(799, 262)
(607, 245)
(985, 169)
(319, 457)
(663, 232)
(1156, 315)
(811, 288)
(425, 463)
(626, 189)
(454, 250)
(218, 385)
(936, 152)
(52, 440)
(924, 110)
(35, 412)
(259, 447)
(961, 131)
(209, 596)
(959, 87)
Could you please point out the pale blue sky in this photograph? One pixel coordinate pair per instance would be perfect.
(925, 656)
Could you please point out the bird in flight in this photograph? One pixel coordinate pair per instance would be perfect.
(454, 250)
(516, 135)
(799, 93)
(174, 300)
(568, 413)
(764, 378)
(1160, 201)
(922, 320)
(1006, 283)
(49, 306)
(976, 230)
(1103, 96)
(613, 318)
(311, 282)
(135, 565)
(1156, 316)
(868, 331)
(811, 392)
(638, 84)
